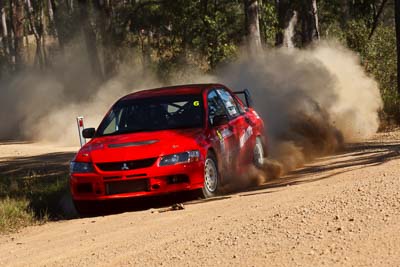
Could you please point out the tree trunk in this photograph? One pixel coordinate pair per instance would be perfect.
(58, 25)
(11, 35)
(17, 17)
(289, 32)
(50, 11)
(285, 14)
(205, 33)
(397, 19)
(28, 54)
(376, 19)
(252, 25)
(5, 37)
(105, 10)
(315, 21)
(70, 4)
(143, 35)
(344, 13)
(38, 36)
(44, 33)
(310, 22)
(90, 40)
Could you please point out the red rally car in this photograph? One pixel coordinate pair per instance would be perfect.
(167, 140)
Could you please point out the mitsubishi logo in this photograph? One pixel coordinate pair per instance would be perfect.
(125, 167)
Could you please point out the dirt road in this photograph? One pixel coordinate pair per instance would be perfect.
(343, 210)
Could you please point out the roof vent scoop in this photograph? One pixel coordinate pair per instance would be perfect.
(140, 143)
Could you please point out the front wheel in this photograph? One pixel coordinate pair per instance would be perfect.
(211, 177)
(86, 208)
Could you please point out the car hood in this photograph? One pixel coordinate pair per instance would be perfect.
(140, 145)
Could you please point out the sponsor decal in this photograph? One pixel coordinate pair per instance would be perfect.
(245, 136)
(221, 140)
(196, 103)
(219, 135)
(231, 109)
(226, 133)
(256, 114)
(222, 135)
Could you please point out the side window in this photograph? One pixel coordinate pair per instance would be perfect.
(240, 106)
(215, 106)
(229, 102)
(114, 123)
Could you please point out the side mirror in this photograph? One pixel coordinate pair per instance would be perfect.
(88, 132)
(220, 120)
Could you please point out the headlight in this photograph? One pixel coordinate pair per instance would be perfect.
(80, 167)
(185, 157)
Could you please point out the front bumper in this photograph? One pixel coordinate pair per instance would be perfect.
(136, 183)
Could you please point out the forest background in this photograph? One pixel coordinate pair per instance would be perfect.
(161, 36)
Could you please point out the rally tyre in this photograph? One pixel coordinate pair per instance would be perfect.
(86, 208)
(211, 177)
(258, 154)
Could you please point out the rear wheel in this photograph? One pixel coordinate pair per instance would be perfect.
(211, 177)
(258, 153)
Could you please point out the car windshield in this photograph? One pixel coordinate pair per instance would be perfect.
(153, 114)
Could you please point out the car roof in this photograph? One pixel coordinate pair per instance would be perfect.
(185, 89)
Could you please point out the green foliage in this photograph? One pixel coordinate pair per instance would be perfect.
(378, 56)
(380, 61)
(357, 37)
(180, 29)
(268, 23)
(377, 53)
(64, 18)
(220, 47)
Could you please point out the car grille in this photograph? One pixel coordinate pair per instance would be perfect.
(128, 186)
(128, 176)
(126, 165)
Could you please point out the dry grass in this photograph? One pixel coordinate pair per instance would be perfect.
(26, 201)
(14, 214)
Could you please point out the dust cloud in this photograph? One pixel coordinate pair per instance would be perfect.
(312, 101)
(42, 106)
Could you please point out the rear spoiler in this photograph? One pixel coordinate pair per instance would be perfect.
(245, 95)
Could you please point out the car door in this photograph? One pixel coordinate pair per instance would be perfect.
(222, 137)
(241, 127)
